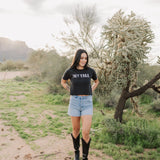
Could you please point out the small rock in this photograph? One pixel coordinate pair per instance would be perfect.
(27, 157)
(12, 139)
(16, 157)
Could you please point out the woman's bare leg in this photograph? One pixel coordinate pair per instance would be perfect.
(86, 126)
(75, 126)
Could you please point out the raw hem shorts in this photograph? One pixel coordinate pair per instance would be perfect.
(80, 105)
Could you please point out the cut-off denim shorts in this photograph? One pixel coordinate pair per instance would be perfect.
(80, 105)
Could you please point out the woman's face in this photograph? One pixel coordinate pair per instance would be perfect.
(83, 60)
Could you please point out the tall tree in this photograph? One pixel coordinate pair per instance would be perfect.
(128, 38)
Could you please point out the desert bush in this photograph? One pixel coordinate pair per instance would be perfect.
(17, 78)
(56, 99)
(107, 100)
(12, 65)
(155, 108)
(156, 105)
(54, 88)
(49, 66)
(134, 132)
(145, 99)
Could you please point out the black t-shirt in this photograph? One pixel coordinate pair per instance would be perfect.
(80, 80)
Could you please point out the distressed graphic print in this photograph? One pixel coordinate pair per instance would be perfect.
(81, 75)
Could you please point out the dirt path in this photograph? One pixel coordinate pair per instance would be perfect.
(12, 74)
(12, 147)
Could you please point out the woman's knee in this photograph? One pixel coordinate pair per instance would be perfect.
(85, 134)
(76, 130)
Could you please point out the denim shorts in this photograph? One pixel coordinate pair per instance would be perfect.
(80, 105)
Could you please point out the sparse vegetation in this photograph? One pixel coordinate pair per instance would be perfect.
(11, 65)
(35, 114)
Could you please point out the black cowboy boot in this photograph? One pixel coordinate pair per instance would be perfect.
(76, 145)
(85, 149)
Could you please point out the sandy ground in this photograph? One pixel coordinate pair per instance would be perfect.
(13, 147)
(10, 74)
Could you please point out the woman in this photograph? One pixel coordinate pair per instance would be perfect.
(81, 104)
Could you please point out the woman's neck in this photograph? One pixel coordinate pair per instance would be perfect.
(80, 67)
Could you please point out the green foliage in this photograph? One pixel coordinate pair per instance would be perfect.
(10, 65)
(48, 65)
(156, 105)
(155, 108)
(138, 149)
(107, 100)
(17, 78)
(56, 99)
(54, 88)
(145, 99)
(135, 132)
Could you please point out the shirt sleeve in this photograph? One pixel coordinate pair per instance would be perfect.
(66, 75)
(94, 75)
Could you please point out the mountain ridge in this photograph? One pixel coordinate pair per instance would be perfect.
(13, 50)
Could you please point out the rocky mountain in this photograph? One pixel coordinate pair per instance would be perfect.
(13, 50)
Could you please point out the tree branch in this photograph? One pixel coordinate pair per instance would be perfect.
(145, 87)
(157, 89)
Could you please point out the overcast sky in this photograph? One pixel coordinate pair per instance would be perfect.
(34, 21)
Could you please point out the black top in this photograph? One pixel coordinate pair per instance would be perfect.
(80, 80)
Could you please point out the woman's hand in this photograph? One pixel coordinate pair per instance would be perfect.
(94, 86)
(65, 85)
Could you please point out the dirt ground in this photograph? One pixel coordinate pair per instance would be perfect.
(10, 74)
(13, 147)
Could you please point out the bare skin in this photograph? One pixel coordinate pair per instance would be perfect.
(86, 119)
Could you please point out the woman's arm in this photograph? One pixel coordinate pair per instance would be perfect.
(65, 85)
(94, 86)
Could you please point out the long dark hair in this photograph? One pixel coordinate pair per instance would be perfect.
(77, 58)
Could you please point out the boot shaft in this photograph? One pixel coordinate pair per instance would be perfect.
(76, 145)
(85, 148)
(76, 142)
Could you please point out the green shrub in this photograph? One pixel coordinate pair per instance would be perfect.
(53, 88)
(145, 99)
(10, 65)
(17, 78)
(134, 132)
(155, 108)
(138, 149)
(156, 105)
(56, 99)
(49, 65)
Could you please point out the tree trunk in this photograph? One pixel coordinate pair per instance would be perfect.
(121, 104)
